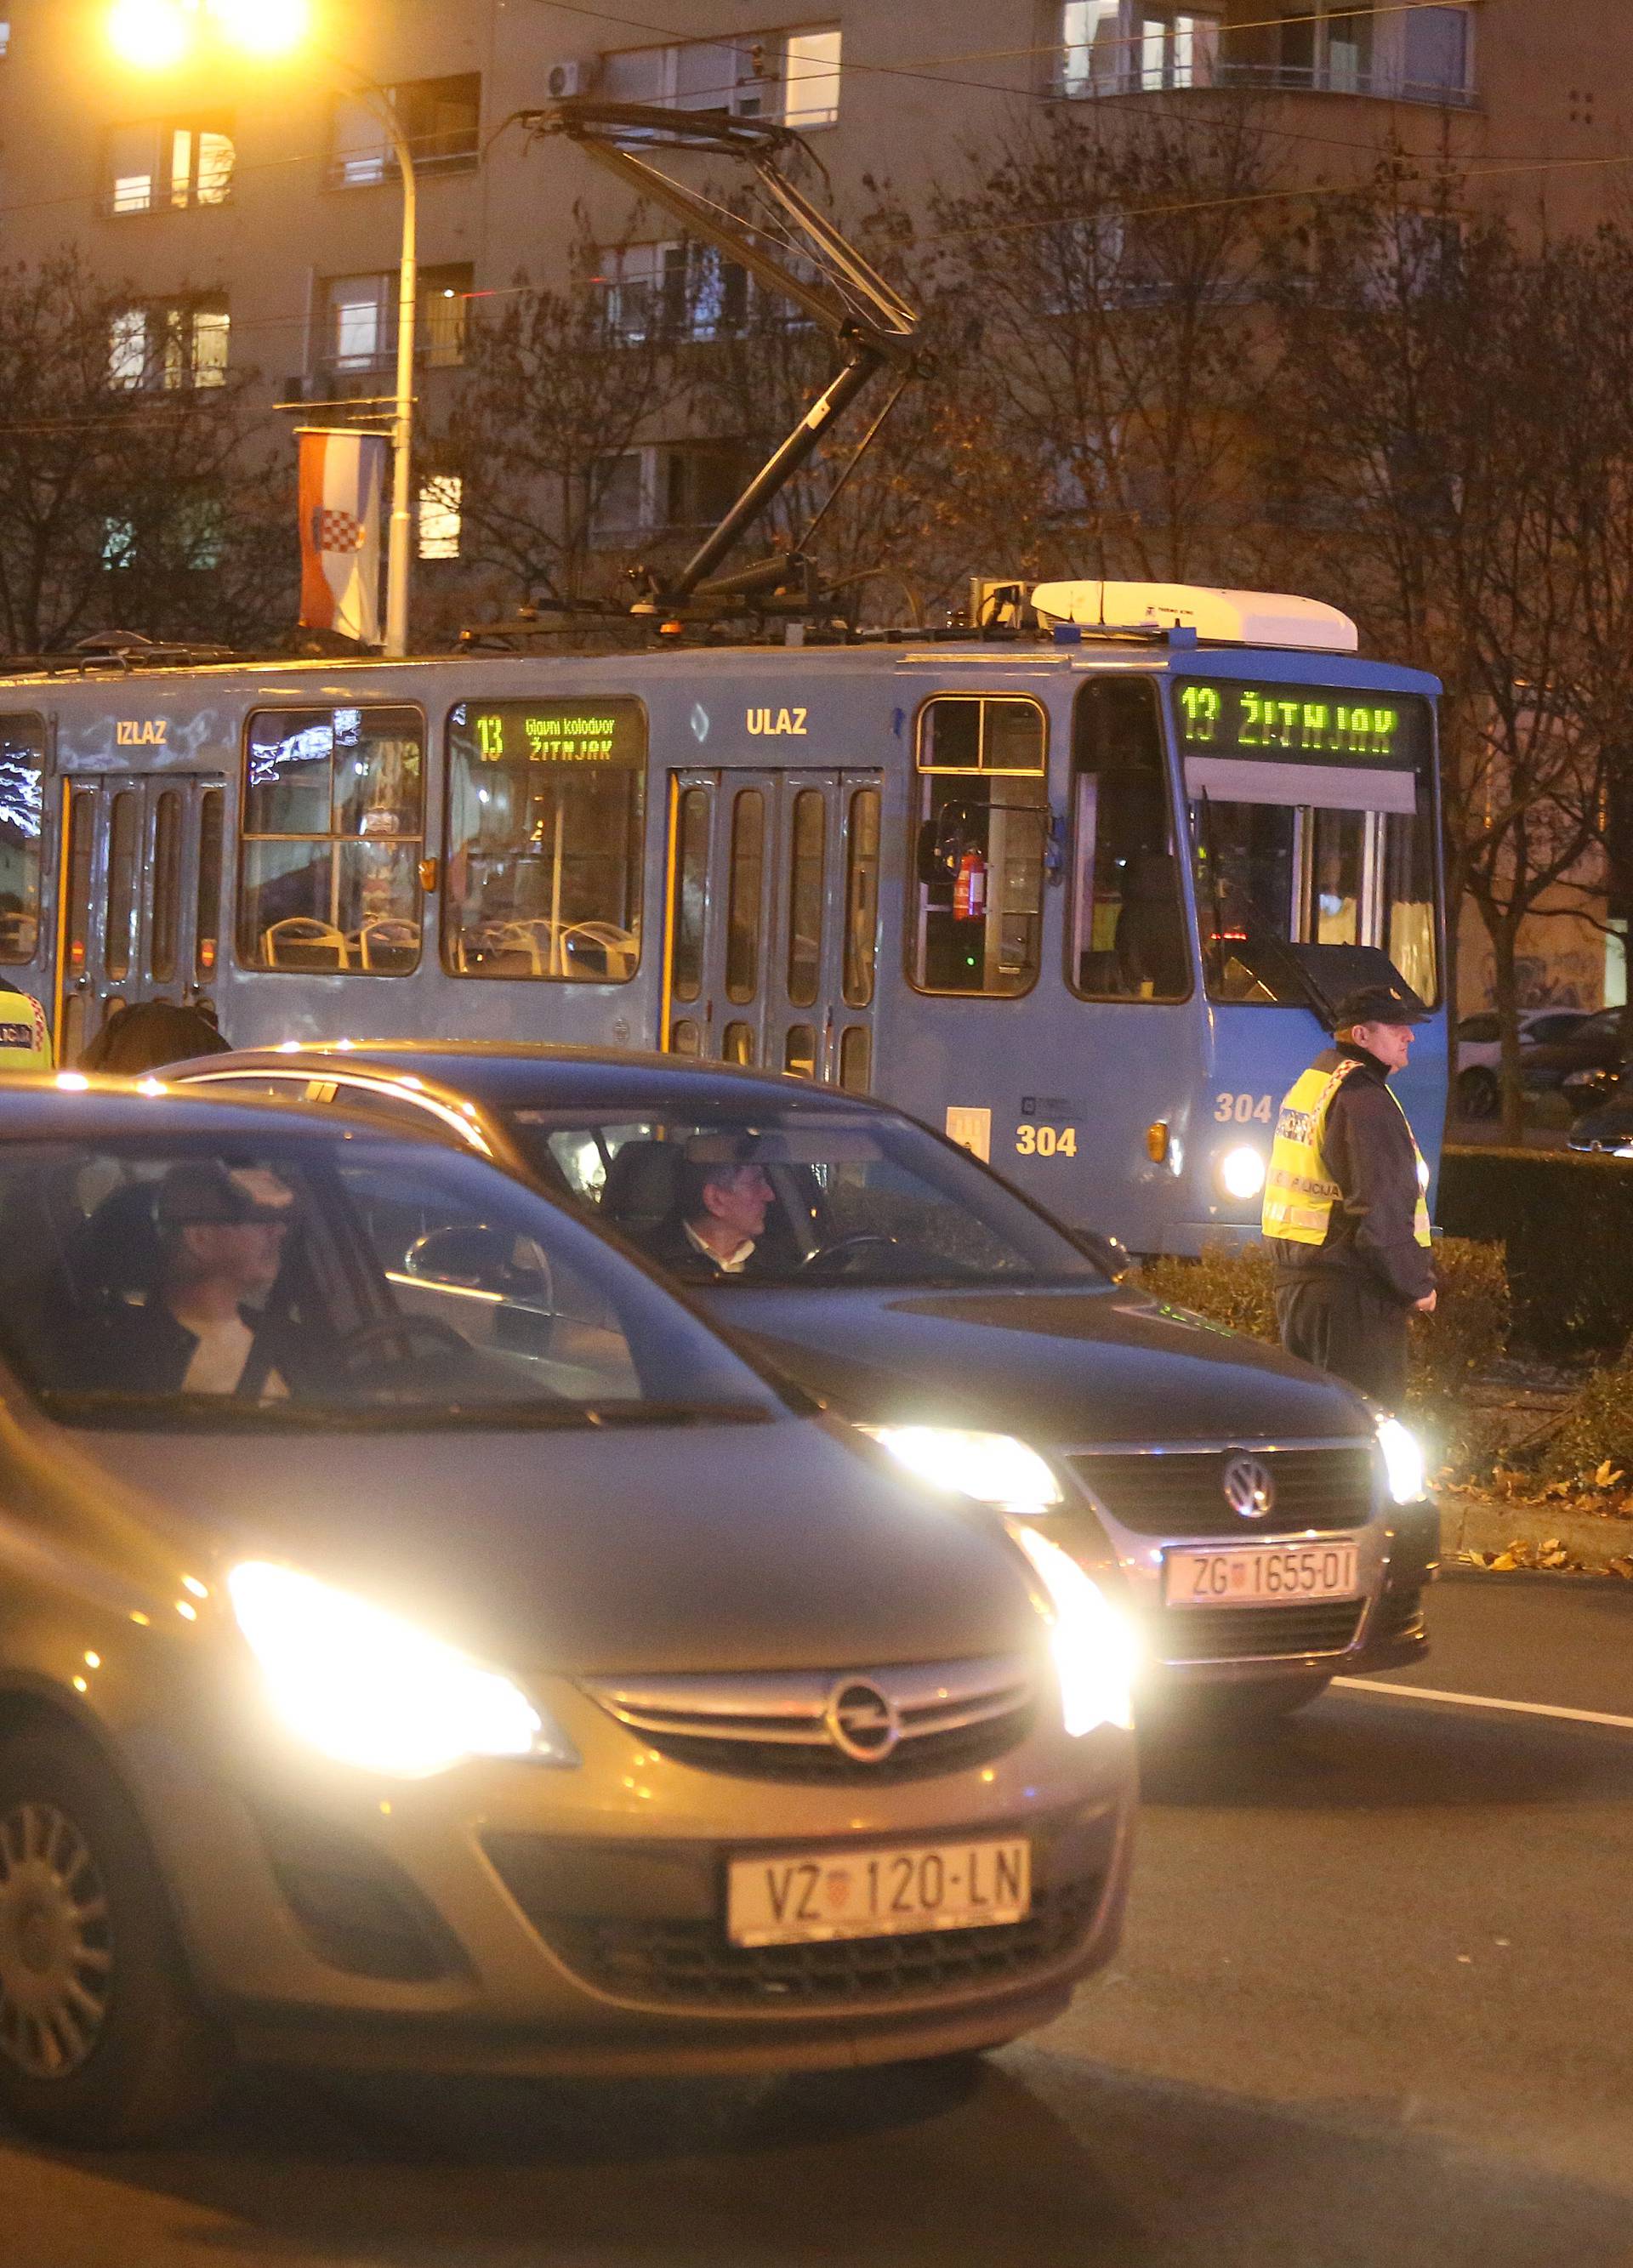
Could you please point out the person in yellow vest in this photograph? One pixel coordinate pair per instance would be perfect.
(1346, 1210)
(24, 1036)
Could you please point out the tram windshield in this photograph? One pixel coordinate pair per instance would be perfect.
(796, 1194)
(1313, 825)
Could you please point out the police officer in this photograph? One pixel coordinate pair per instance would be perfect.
(24, 1036)
(1345, 1205)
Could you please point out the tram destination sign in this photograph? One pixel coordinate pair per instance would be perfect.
(1223, 716)
(589, 731)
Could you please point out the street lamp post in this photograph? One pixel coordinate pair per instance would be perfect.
(159, 36)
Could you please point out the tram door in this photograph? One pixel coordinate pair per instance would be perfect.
(142, 874)
(773, 920)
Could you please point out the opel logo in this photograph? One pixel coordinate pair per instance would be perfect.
(861, 1721)
(1249, 1487)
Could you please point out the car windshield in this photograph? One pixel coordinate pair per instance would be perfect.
(276, 1281)
(776, 1193)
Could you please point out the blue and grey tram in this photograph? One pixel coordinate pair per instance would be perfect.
(1074, 898)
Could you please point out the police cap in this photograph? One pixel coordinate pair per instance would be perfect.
(1381, 1003)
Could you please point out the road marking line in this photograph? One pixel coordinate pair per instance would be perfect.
(1482, 1701)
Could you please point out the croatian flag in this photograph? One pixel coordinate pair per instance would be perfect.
(342, 480)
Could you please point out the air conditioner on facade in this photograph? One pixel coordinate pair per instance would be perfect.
(575, 75)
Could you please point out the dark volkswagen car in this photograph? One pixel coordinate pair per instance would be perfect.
(1271, 1526)
(424, 1641)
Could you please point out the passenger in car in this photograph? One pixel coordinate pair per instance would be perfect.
(220, 1241)
(718, 1218)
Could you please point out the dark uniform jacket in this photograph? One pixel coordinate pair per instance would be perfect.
(1367, 1148)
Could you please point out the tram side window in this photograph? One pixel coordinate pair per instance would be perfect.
(983, 829)
(22, 804)
(334, 830)
(1128, 934)
(545, 833)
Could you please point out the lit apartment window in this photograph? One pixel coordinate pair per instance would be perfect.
(1090, 35)
(791, 77)
(1178, 49)
(675, 292)
(441, 118)
(5, 37)
(359, 319)
(441, 516)
(169, 344)
(1115, 46)
(168, 165)
(119, 544)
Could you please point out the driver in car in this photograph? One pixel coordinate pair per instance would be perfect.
(718, 1219)
(221, 1233)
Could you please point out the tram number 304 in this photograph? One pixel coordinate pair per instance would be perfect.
(1046, 1141)
(1243, 1110)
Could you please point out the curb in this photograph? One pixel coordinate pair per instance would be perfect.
(1490, 1523)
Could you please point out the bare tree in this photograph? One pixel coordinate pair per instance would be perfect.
(131, 497)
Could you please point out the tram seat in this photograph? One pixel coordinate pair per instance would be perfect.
(535, 940)
(390, 944)
(618, 948)
(642, 1187)
(301, 942)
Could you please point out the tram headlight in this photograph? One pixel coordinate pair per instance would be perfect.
(994, 1468)
(1241, 1172)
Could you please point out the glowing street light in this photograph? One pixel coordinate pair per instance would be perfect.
(158, 34)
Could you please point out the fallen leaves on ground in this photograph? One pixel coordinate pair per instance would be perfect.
(1603, 1493)
(1523, 1552)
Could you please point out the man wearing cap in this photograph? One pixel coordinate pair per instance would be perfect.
(221, 1233)
(1345, 1208)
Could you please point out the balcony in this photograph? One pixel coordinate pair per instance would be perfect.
(1118, 47)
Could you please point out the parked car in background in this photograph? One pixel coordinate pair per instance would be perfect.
(1270, 1531)
(1478, 1089)
(1594, 1047)
(1608, 1126)
(507, 1675)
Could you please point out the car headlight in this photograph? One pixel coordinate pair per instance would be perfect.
(1241, 1172)
(1093, 1646)
(996, 1468)
(370, 1689)
(1403, 1461)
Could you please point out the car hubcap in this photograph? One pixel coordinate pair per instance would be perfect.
(55, 1945)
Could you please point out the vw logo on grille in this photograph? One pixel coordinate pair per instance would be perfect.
(861, 1721)
(1249, 1487)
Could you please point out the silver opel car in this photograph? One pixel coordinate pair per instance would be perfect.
(423, 1642)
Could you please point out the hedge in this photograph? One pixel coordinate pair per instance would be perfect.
(1564, 1220)
(1457, 1344)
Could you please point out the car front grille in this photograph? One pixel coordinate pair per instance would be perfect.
(691, 1962)
(1186, 1634)
(1181, 1492)
(780, 1724)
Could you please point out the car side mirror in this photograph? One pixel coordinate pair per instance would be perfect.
(477, 1259)
(1109, 1254)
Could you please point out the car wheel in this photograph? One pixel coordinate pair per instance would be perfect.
(1478, 1094)
(102, 2039)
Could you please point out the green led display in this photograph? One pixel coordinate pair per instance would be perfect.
(554, 733)
(1315, 722)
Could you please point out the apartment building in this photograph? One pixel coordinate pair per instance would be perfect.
(254, 216)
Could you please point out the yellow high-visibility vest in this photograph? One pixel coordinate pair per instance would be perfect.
(24, 1036)
(1299, 1192)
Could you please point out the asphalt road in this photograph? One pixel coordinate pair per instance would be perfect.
(1375, 2011)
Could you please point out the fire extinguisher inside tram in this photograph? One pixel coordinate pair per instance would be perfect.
(969, 889)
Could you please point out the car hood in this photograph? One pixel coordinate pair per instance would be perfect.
(769, 1546)
(1071, 1367)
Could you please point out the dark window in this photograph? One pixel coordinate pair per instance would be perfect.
(123, 849)
(166, 884)
(1478, 1030)
(742, 911)
(862, 897)
(1129, 939)
(441, 123)
(545, 830)
(211, 835)
(856, 1059)
(334, 826)
(984, 818)
(808, 847)
(737, 1044)
(22, 806)
(799, 1052)
(692, 892)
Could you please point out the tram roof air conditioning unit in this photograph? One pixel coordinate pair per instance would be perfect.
(1225, 617)
(574, 74)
